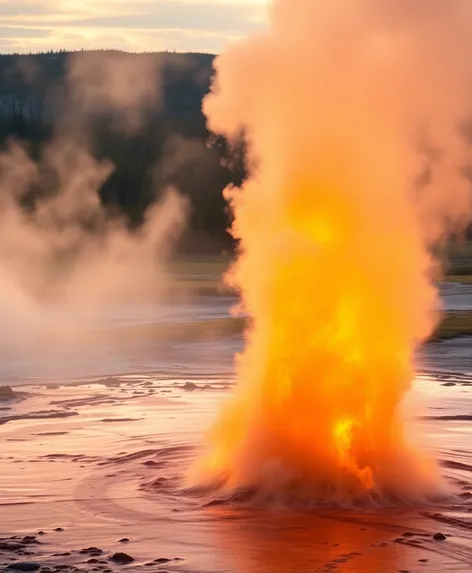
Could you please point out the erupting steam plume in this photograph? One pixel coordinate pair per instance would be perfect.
(352, 111)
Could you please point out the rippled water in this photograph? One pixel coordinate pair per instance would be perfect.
(100, 441)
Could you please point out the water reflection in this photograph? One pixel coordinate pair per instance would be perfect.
(328, 541)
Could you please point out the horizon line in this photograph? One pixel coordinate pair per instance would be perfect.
(80, 50)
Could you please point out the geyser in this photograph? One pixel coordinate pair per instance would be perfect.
(351, 111)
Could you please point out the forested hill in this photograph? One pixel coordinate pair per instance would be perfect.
(168, 145)
(27, 80)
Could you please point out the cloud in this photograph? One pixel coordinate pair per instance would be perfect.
(26, 8)
(7, 33)
(193, 25)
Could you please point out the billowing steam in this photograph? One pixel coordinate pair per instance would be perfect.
(63, 247)
(352, 112)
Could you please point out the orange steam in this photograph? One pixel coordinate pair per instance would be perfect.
(335, 227)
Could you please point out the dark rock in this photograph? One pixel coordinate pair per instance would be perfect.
(150, 463)
(24, 566)
(41, 533)
(189, 386)
(66, 554)
(59, 529)
(109, 382)
(408, 534)
(124, 540)
(6, 393)
(121, 558)
(448, 384)
(439, 537)
(423, 560)
(92, 560)
(162, 560)
(94, 550)
(10, 545)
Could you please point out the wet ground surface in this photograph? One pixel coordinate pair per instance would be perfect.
(94, 466)
(118, 339)
(106, 459)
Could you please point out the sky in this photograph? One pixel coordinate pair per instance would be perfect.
(132, 25)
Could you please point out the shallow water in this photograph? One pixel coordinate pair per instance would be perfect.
(100, 445)
(114, 465)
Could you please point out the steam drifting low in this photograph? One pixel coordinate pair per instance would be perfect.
(63, 248)
(352, 113)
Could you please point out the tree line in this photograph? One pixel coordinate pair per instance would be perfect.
(172, 147)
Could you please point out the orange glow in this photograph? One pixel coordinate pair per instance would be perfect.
(334, 266)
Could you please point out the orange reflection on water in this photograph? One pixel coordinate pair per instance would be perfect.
(328, 541)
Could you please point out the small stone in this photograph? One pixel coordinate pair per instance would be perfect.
(448, 384)
(162, 560)
(121, 558)
(10, 545)
(423, 560)
(92, 560)
(439, 537)
(124, 540)
(59, 529)
(24, 566)
(408, 534)
(6, 393)
(95, 550)
(41, 533)
(189, 386)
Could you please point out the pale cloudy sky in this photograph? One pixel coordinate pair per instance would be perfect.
(134, 25)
